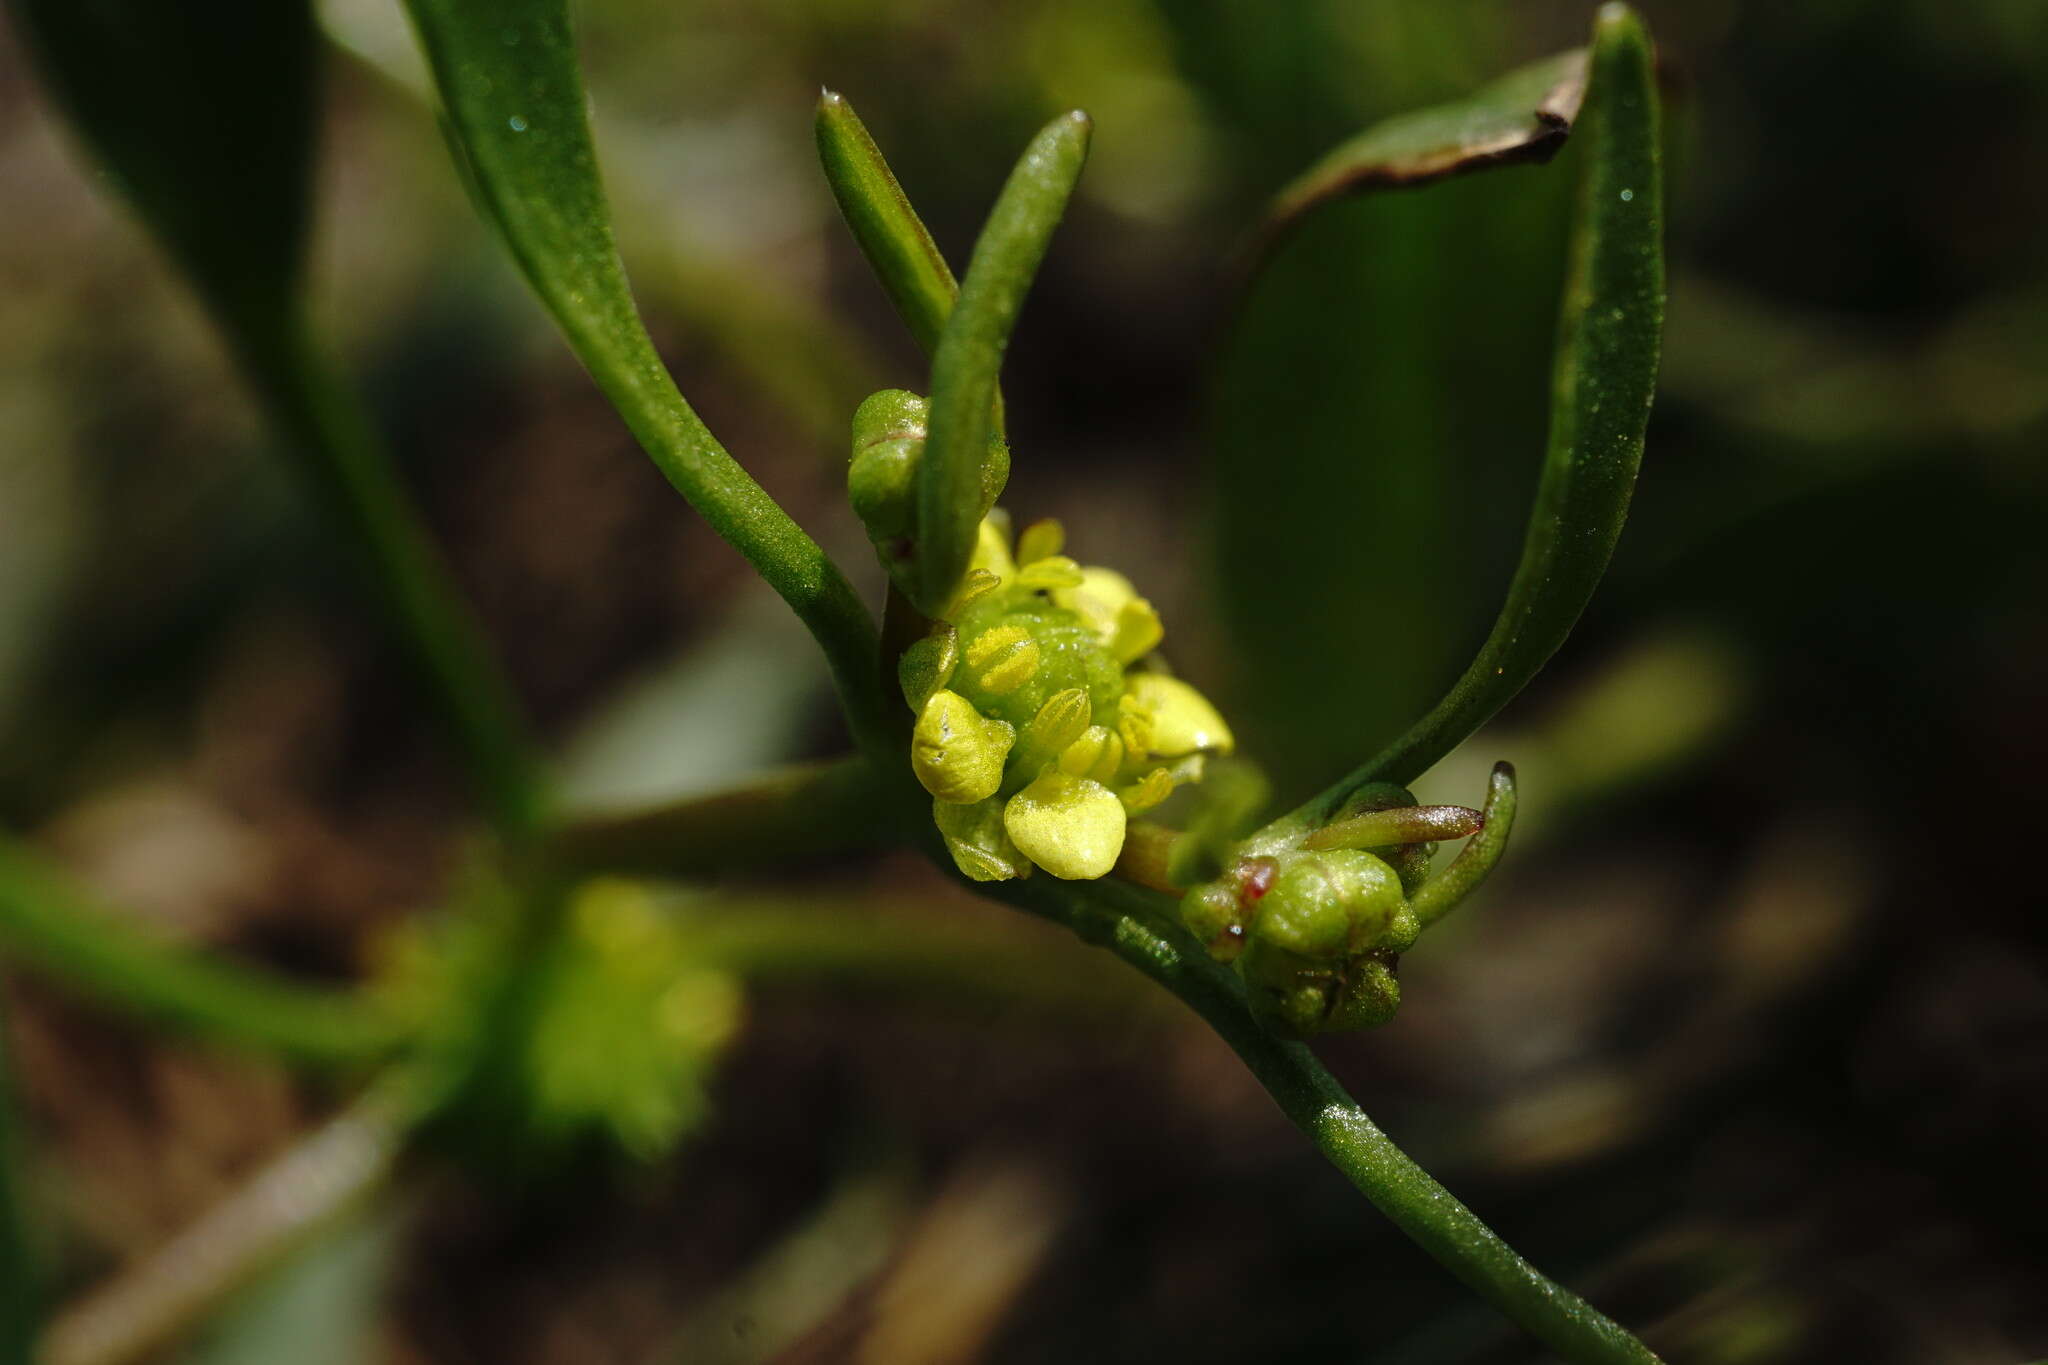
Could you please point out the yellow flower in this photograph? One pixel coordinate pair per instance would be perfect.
(1035, 742)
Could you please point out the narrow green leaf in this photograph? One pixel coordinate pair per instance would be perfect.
(1609, 328)
(513, 95)
(204, 116)
(1524, 116)
(951, 496)
(47, 924)
(892, 237)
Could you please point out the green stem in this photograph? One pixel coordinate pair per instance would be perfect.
(1129, 922)
(49, 925)
(346, 466)
(513, 95)
(802, 812)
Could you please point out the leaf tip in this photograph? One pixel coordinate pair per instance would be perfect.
(1619, 22)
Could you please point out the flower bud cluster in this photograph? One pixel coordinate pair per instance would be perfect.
(1316, 928)
(1038, 733)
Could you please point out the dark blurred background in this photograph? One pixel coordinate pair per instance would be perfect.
(1749, 1039)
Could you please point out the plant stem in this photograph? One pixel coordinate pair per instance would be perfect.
(47, 923)
(781, 817)
(347, 467)
(1129, 922)
(517, 119)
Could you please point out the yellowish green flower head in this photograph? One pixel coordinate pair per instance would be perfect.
(1035, 735)
(1043, 721)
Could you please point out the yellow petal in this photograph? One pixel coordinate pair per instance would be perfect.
(1071, 827)
(1002, 660)
(1040, 540)
(1050, 574)
(1183, 721)
(1097, 599)
(1137, 632)
(992, 547)
(956, 752)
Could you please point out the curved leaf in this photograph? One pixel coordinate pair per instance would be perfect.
(1526, 115)
(971, 346)
(513, 96)
(1609, 327)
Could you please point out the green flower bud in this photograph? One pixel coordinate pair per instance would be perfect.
(1329, 905)
(881, 479)
(1289, 994)
(980, 846)
(927, 666)
(1367, 994)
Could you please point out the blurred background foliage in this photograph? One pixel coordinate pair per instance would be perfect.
(1750, 1038)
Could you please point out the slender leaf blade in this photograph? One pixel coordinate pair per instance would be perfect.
(513, 96)
(951, 497)
(1524, 116)
(897, 245)
(893, 238)
(1610, 326)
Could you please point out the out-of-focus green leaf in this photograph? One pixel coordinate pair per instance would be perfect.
(47, 924)
(1524, 116)
(1609, 329)
(952, 496)
(513, 96)
(203, 114)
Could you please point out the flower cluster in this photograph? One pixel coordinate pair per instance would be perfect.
(1038, 734)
